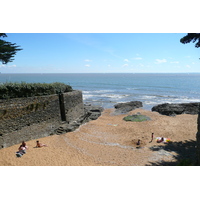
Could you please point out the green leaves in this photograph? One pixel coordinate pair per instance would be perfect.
(191, 37)
(7, 50)
(16, 90)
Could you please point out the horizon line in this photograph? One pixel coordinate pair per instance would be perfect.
(103, 73)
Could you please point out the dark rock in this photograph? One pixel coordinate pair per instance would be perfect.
(122, 108)
(67, 128)
(93, 112)
(136, 118)
(177, 109)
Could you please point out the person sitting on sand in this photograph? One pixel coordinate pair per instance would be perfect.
(21, 150)
(38, 144)
(23, 146)
(138, 143)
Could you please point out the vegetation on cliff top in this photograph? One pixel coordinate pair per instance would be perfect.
(16, 90)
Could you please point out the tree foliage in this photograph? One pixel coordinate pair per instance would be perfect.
(7, 50)
(191, 37)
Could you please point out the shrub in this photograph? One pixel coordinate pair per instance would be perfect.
(186, 162)
(17, 90)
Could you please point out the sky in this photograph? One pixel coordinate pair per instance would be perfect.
(102, 53)
(101, 36)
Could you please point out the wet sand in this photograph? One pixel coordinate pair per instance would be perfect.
(111, 141)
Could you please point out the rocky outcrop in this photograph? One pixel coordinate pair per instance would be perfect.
(122, 108)
(91, 113)
(177, 109)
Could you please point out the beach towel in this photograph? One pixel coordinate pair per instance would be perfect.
(20, 153)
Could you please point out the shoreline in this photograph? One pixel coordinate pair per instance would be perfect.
(110, 141)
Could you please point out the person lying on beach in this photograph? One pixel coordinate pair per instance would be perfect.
(163, 140)
(159, 139)
(38, 144)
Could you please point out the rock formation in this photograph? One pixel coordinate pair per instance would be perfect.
(91, 113)
(177, 109)
(122, 108)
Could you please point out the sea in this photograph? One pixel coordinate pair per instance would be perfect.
(108, 89)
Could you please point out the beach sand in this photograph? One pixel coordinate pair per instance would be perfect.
(111, 141)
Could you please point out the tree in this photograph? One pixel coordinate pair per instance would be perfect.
(7, 50)
(194, 37)
(191, 37)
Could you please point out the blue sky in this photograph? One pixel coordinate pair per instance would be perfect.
(102, 53)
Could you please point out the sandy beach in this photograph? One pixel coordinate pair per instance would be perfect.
(111, 141)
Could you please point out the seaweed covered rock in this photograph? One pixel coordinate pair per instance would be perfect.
(136, 118)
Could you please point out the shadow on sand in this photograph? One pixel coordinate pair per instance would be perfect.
(185, 153)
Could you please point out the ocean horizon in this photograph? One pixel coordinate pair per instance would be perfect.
(108, 89)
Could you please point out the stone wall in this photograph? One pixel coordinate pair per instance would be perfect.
(17, 114)
(74, 107)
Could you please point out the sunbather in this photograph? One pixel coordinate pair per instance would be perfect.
(23, 146)
(163, 140)
(21, 150)
(38, 144)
